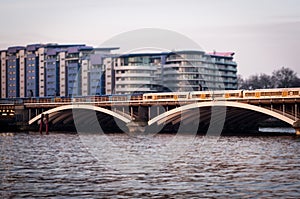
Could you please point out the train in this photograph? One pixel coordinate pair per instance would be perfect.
(168, 96)
(225, 94)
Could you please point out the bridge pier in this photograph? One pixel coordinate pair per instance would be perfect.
(296, 126)
(22, 117)
(139, 125)
(20, 114)
(136, 128)
(298, 131)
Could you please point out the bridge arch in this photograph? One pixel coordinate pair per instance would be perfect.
(81, 106)
(178, 110)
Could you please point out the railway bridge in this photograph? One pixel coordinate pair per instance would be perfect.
(215, 113)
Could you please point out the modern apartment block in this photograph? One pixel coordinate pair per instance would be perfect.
(3, 72)
(183, 70)
(32, 71)
(226, 68)
(177, 71)
(136, 72)
(43, 70)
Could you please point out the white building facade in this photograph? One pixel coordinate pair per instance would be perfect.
(54, 70)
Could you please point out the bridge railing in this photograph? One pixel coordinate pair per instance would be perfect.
(288, 114)
(11, 101)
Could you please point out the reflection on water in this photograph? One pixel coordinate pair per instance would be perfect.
(278, 129)
(60, 165)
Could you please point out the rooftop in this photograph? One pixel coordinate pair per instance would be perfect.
(221, 54)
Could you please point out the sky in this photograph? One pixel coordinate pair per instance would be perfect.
(264, 34)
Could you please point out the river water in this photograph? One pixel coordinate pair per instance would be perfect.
(64, 165)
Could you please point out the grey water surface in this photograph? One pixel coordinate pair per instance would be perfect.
(60, 165)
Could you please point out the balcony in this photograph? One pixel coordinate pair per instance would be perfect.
(176, 59)
(179, 78)
(180, 72)
(134, 82)
(138, 67)
(167, 66)
(134, 75)
(131, 90)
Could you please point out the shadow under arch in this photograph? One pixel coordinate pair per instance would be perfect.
(177, 111)
(125, 118)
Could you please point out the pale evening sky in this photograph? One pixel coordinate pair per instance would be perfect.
(264, 34)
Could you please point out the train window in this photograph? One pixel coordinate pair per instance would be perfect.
(165, 96)
(182, 96)
(227, 95)
(196, 96)
(275, 93)
(263, 94)
(293, 92)
(217, 95)
(249, 94)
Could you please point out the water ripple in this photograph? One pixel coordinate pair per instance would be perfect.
(60, 166)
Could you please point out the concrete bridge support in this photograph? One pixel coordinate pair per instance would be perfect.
(145, 115)
(21, 117)
(140, 123)
(296, 126)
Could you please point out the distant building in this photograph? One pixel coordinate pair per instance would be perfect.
(135, 73)
(183, 70)
(42, 70)
(226, 68)
(32, 71)
(196, 70)
(177, 71)
(96, 75)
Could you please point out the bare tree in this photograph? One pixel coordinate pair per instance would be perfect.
(240, 82)
(265, 81)
(284, 78)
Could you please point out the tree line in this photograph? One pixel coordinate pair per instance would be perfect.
(281, 78)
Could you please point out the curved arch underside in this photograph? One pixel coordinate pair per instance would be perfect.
(235, 113)
(55, 113)
(230, 114)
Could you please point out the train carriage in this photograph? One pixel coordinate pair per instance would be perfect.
(167, 96)
(272, 93)
(224, 94)
(212, 95)
(176, 96)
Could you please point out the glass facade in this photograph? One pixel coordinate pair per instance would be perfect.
(182, 71)
(32, 70)
(196, 70)
(52, 71)
(12, 72)
(42, 70)
(136, 73)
